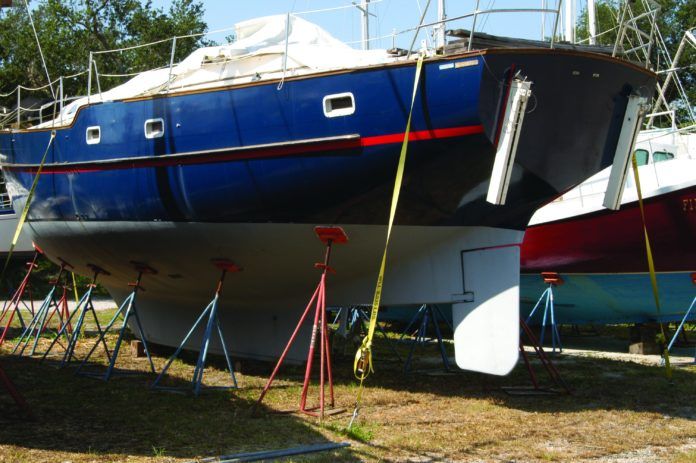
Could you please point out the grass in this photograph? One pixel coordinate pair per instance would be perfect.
(617, 408)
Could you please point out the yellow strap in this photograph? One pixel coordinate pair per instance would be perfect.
(651, 266)
(74, 285)
(25, 211)
(362, 365)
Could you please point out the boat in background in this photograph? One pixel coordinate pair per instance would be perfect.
(600, 254)
(240, 150)
(8, 226)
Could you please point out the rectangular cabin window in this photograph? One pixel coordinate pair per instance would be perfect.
(641, 157)
(659, 156)
(93, 135)
(154, 128)
(341, 104)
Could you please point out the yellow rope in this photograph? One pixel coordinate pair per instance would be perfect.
(362, 366)
(651, 268)
(25, 211)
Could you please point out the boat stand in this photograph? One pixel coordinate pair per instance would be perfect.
(551, 279)
(41, 320)
(13, 307)
(329, 236)
(559, 385)
(356, 321)
(127, 309)
(12, 390)
(83, 306)
(211, 311)
(686, 317)
(426, 314)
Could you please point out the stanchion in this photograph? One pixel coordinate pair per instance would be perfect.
(211, 311)
(552, 279)
(42, 319)
(13, 307)
(554, 375)
(127, 309)
(83, 306)
(425, 314)
(11, 389)
(328, 236)
(686, 317)
(355, 320)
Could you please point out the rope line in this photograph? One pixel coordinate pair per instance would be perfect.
(362, 366)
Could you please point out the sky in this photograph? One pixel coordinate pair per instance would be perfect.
(389, 15)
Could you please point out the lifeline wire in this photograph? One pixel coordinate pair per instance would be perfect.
(38, 43)
(362, 365)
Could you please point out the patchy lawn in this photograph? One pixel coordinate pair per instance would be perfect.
(620, 411)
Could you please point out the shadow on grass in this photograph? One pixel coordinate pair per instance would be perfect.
(124, 417)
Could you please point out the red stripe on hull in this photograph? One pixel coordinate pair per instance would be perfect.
(262, 153)
(612, 241)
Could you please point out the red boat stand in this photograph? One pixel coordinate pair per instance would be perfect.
(558, 382)
(40, 323)
(11, 389)
(328, 236)
(13, 306)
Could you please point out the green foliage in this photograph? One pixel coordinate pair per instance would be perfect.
(70, 29)
(675, 17)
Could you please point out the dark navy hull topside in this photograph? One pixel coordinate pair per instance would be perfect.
(254, 153)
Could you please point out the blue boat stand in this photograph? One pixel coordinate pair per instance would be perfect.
(127, 309)
(426, 313)
(211, 311)
(356, 317)
(686, 317)
(83, 306)
(552, 279)
(39, 323)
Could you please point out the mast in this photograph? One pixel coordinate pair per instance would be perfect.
(440, 30)
(569, 21)
(592, 21)
(364, 9)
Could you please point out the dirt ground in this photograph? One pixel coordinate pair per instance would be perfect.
(622, 409)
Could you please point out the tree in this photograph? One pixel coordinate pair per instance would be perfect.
(69, 29)
(674, 18)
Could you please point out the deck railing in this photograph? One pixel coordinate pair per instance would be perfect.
(21, 116)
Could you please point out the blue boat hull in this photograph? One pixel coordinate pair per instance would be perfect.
(611, 298)
(245, 173)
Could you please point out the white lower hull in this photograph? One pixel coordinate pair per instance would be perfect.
(260, 306)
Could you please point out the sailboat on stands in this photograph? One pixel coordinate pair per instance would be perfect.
(240, 150)
(600, 253)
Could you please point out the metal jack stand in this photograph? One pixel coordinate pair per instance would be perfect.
(126, 309)
(356, 321)
(83, 306)
(552, 279)
(11, 389)
(686, 317)
(426, 313)
(553, 373)
(213, 320)
(329, 236)
(41, 320)
(13, 307)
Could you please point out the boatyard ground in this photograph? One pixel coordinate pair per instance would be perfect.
(622, 410)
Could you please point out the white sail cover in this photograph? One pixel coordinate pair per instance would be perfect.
(258, 53)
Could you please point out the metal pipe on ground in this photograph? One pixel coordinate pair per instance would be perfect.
(268, 454)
